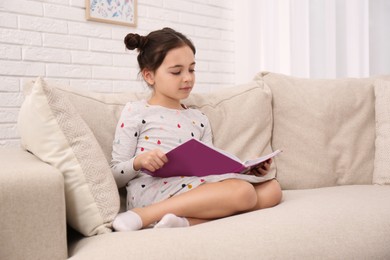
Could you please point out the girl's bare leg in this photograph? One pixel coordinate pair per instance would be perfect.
(269, 194)
(206, 202)
(196, 221)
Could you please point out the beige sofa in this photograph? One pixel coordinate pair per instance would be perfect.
(58, 200)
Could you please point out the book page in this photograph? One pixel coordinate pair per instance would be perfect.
(254, 162)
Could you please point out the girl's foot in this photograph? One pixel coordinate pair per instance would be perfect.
(172, 221)
(127, 221)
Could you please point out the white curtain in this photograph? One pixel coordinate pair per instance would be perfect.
(312, 38)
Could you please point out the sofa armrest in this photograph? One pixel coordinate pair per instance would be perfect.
(32, 208)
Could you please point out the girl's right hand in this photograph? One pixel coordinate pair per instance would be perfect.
(151, 160)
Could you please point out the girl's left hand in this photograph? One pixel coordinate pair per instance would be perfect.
(262, 169)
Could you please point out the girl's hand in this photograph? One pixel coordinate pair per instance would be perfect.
(262, 169)
(151, 160)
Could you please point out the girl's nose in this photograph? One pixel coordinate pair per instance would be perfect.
(188, 76)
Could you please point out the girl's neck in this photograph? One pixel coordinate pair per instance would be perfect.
(167, 103)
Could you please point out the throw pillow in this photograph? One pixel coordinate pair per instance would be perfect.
(240, 117)
(52, 129)
(382, 142)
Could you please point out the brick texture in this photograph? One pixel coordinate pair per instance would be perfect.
(53, 39)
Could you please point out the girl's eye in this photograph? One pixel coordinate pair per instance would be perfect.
(178, 72)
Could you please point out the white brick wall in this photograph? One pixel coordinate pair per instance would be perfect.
(51, 38)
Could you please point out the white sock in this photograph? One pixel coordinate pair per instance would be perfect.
(127, 221)
(172, 221)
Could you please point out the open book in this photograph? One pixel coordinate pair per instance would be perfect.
(195, 158)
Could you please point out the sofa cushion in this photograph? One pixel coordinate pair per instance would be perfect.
(347, 222)
(101, 111)
(241, 116)
(52, 129)
(381, 173)
(326, 128)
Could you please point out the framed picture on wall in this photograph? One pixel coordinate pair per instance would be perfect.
(123, 12)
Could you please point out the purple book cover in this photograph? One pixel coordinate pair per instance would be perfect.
(194, 158)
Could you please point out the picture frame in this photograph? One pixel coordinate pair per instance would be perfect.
(122, 12)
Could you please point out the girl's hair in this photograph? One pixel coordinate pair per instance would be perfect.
(154, 47)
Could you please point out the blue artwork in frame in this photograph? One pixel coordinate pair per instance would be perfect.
(123, 12)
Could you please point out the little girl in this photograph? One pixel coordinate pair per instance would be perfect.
(148, 129)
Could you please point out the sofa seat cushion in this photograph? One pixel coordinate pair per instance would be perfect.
(346, 222)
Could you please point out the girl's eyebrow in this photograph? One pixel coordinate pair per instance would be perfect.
(180, 66)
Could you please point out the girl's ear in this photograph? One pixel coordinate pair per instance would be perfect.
(148, 77)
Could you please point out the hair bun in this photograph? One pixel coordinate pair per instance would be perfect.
(133, 41)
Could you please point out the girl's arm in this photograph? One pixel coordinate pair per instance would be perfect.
(124, 146)
(151, 160)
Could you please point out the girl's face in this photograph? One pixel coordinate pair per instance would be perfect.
(174, 79)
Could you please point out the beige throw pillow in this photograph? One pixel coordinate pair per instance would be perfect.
(382, 142)
(326, 129)
(101, 111)
(241, 116)
(52, 129)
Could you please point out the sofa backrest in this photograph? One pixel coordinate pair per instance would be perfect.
(326, 128)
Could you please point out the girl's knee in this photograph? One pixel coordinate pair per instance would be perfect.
(243, 194)
(271, 194)
(276, 196)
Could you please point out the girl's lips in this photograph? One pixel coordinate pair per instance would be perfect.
(186, 88)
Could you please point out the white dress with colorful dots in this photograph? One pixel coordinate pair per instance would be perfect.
(143, 127)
